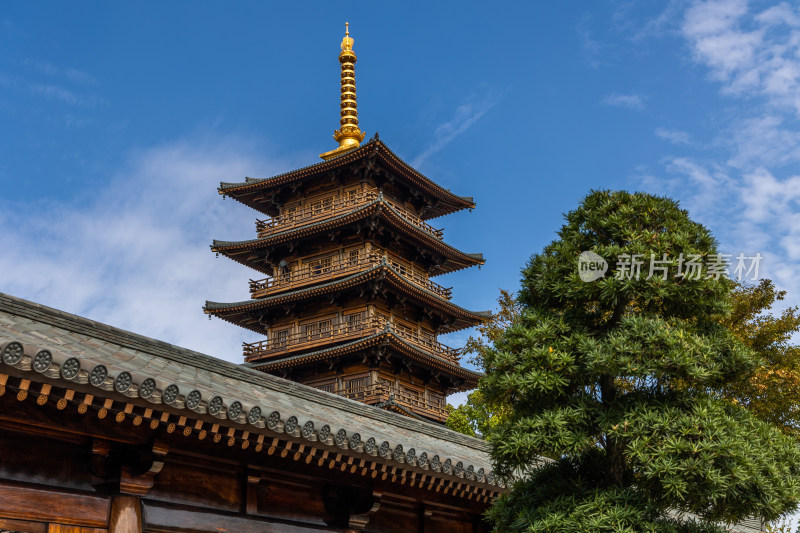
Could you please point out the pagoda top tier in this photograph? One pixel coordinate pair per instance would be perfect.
(373, 161)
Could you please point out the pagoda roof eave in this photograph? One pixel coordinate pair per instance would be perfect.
(471, 377)
(464, 317)
(377, 206)
(451, 202)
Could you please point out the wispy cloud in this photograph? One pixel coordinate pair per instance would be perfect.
(750, 54)
(673, 136)
(593, 49)
(60, 94)
(663, 24)
(464, 116)
(625, 101)
(68, 73)
(747, 189)
(68, 86)
(768, 140)
(136, 255)
(749, 212)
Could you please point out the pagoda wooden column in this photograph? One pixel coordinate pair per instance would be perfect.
(126, 514)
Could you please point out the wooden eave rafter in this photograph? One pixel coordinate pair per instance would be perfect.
(238, 312)
(114, 400)
(243, 251)
(257, 193)
(421, 358)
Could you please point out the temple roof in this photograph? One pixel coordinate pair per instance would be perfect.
(464, 318)
(385, 338)
(375, 156)
(456, 259)
(42, 347)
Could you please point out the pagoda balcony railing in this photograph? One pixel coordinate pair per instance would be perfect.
(379, 393)
(336, 268)
(321, 336)
(316, 211)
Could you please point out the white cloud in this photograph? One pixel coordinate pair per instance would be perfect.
(626, 101)
(748, 193)
(713, 17)
(136, 254)
(751, 54)
(465, 115)
(673, 136)
(751, 212)
(763, 141)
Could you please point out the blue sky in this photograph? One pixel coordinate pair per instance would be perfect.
(118, 120)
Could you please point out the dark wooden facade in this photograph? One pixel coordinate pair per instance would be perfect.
(105, 430)
(349, 305)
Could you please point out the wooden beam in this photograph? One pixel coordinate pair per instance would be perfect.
(23, 502)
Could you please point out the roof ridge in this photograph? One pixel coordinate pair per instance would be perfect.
(336, 281)
(476, 256)
(78, 324)
(215, 242)
(374, 145)
(358, 341)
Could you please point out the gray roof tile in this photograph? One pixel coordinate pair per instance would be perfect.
(95, 343)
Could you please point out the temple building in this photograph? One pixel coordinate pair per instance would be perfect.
(348, 304)
(333, 422)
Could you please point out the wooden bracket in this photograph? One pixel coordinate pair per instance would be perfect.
(140, 484)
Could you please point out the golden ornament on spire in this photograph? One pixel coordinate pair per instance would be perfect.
(348, 136)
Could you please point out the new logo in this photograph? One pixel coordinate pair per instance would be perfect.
(591, 266)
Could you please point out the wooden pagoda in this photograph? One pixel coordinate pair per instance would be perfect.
(348, 304)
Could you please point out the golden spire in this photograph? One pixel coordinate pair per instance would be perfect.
(348, 136)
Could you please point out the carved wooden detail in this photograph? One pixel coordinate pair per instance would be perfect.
(134, 482)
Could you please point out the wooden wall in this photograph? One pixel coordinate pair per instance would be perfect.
(64, 472)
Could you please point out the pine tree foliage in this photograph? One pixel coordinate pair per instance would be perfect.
(620, 381)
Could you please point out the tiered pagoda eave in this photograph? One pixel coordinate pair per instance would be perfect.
(242, 313)
(374, 160)
(450, 259)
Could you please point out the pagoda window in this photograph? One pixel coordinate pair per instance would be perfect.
(322, 205)
(351, 197)
(427, 337)
(355, 387)
(281, 338)
(325, 327)
(289, 212)
(411, 395)
(353, 321)
(352, 257)
(404, 330)
(320, 266)
(436, 400)
(328, 387)
(316, 330)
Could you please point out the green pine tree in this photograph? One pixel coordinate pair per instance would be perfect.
(620, 381)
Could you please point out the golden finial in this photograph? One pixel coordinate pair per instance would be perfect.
(347, 42)
(348, 136)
